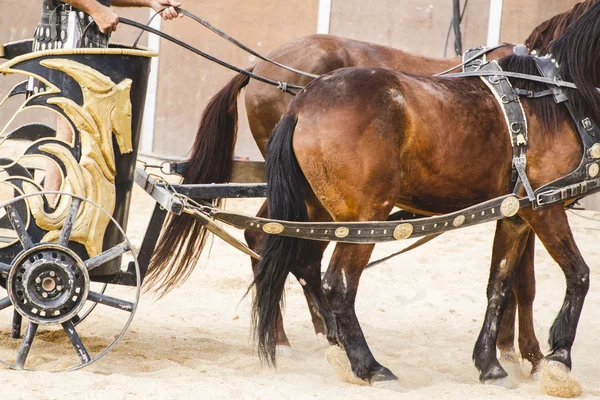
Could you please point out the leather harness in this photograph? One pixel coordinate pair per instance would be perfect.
(583, 180)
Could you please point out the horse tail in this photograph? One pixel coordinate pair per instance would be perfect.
(285, 197)
(183, 237)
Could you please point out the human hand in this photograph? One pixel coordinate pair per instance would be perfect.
(169, 13)
(106, 19)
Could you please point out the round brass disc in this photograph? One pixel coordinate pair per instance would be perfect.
(458, 221)
(273, 228)
(403, 231)
(509, 207)
(595, 151)
(342, 232)
(593, 170)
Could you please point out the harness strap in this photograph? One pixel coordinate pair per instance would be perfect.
(515, 121)
(379, 231)
(581, 181)
(473, 55)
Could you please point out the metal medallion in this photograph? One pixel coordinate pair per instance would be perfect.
(273, 228)
(509, 207)
(595, 151)
(403, 231)
(593, 170)
(458, 221)
(342, 232)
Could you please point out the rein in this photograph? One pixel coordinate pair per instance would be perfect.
(283, 86)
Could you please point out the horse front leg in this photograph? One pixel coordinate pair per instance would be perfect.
(552, 227)
(509, 242)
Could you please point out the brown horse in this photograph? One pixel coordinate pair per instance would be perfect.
(211, 159)
(358, 141)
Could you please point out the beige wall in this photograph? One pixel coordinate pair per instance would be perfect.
(188, 81)
(417, 26)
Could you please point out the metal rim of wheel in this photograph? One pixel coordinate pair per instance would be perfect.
(37, 283)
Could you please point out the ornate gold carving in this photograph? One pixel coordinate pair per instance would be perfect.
(510, 206)
(458, 221)
(593, 170)
(106, 111)
(403, 231)
(273, 228)
(595, 151)
(342, 232)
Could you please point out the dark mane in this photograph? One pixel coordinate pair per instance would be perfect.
(544, 108)
(551, 29)
(577, 52)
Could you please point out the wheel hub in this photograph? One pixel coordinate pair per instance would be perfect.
(48, 284)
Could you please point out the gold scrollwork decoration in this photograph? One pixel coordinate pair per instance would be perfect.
(106, 111)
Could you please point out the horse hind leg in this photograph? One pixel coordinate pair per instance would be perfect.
(524, 288)
(308, 275)
(509, 242)
(340, 285)
(522, 297)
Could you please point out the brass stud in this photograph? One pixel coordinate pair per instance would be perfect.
(458, 221)
(595, 151)
(510, 206)
(273, 228)
(403, 231)
(342, 232)
(593, 170)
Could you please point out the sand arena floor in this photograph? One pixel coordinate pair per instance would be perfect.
(421, 314)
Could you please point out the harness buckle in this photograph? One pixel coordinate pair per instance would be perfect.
(587, 124)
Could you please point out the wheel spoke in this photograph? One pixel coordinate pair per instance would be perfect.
(19, 227)
(15, 329)
(65, 234)
(4, 268)
(107, 255)
(76, 342)
(5, 303)
(110, 301)
(25, 345)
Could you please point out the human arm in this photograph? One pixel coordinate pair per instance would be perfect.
(156, 5)
(106, 19)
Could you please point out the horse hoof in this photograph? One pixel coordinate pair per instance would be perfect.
(385, 379)
(337, 358)
(283, 350)
(392, 385)
(556, 380)
(502, 382)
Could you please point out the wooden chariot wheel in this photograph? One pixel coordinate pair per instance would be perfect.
(49, 287)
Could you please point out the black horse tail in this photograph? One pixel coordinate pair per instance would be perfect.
(285, 197)
(183, 237)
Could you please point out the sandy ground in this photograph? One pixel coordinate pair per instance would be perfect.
(421, 314)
